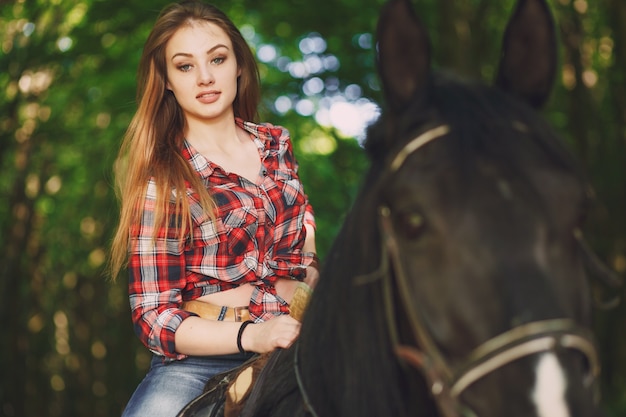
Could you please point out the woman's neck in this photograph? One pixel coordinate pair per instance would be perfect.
(216, 134)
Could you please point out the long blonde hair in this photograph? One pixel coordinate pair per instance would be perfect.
(153, 142)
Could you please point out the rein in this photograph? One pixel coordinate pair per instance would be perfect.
(303, 392)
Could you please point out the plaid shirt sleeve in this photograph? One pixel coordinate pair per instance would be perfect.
(157, 279)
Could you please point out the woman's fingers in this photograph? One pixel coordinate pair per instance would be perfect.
(279, 332)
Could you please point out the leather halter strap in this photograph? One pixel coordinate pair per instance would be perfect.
(525, 340)
(415, 144)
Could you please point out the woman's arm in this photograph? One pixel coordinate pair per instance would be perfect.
(156, 268)
(200, 337)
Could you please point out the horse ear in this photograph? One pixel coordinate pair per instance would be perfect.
(529, 53)
(403, 53)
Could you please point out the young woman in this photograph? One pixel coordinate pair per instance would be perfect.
(215, 228)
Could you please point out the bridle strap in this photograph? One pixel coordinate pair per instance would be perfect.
(417, 143)
(434, 369)
(525, 340)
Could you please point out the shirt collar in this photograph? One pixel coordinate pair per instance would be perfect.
(265, 133)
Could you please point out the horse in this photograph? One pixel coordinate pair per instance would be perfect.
(457, 283)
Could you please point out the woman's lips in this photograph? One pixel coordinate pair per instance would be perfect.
(208, 97)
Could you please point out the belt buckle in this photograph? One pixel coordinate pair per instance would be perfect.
(239, 311)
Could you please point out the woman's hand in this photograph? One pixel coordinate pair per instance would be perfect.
(279, 332)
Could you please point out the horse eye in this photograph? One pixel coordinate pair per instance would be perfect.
(410, 224)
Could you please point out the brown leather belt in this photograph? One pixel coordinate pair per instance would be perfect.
(215, 312)
(210, 311)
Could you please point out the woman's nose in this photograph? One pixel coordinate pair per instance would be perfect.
(205, 76)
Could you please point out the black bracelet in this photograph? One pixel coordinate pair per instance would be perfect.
(241, 329)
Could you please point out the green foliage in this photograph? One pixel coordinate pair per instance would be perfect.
(68, 68)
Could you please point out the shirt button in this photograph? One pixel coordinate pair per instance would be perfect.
(265, 172)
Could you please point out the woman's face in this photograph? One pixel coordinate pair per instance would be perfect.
(202, 71)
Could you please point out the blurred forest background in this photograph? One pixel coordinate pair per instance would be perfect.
(67, 78)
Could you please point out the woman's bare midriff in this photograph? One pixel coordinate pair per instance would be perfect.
(240, 296)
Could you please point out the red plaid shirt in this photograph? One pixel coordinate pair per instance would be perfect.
(256, 238)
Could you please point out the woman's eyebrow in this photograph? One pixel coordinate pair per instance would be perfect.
(188, 55)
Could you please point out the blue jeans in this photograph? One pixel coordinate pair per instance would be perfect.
(169, 386)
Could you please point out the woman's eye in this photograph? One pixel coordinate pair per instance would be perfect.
(184, 67)
(218, 60)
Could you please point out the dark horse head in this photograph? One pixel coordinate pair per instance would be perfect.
(456, 286)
